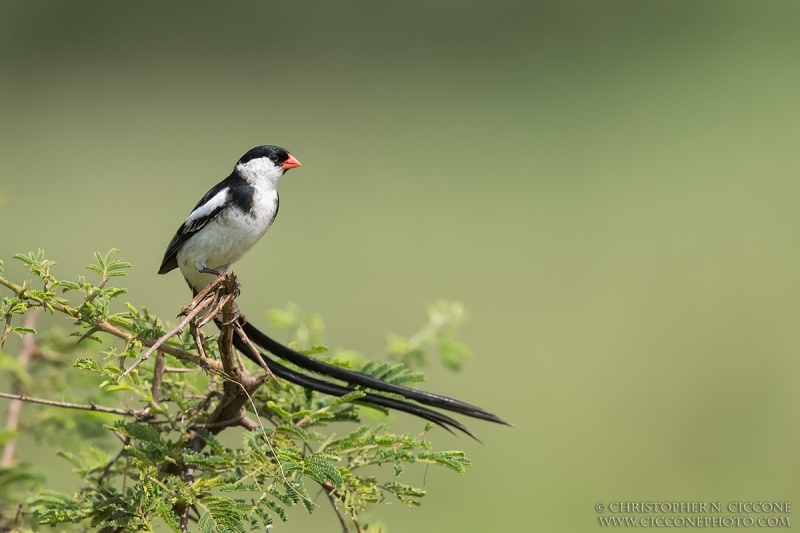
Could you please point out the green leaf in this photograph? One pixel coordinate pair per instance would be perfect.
(224, 516)
(86, 363)
(453, 354)
(281, 318)
(111, 370)
(137, 431)
(453, 460)
(68, 285)
(275, 508)
(400, 488)
(121, 319)
(318, 466)
(277, 409)
(168, 515)
(318, 348)
(212, 441)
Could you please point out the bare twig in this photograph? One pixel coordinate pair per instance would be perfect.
(220, 303)
(354, 518)
(164, 338)
(219, 280)
(183, 510)
(329, 489)
(222, 423)
(239, 383)
(14, 409)
(197, 335)
(255, 350)
(248, 423)
(6, 326)
(67, 405)
(178, 370)
(111, 463)
(215, 295)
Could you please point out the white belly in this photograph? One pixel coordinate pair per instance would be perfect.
(225, 240)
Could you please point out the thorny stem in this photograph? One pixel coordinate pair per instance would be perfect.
(164, 338)
(238, 381)
(329, 489)
(82, 407)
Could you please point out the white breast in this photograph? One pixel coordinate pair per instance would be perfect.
(226, 239)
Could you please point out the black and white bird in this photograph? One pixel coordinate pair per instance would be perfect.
(230, 218)
(223, 226)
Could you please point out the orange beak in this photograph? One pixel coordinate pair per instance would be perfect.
(290, 163)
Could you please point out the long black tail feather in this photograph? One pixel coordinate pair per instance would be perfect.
(357, 378)
(333, 389)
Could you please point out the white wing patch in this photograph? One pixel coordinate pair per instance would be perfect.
(217, 201)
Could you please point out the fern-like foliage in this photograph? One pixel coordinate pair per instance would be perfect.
(171, 466)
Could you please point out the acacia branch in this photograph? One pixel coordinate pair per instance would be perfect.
(105, 326)
(239, 383)
(164, 338)
(249, 424)
(78, 406)
(329, 489)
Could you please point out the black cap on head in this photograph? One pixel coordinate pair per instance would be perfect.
(276, 154)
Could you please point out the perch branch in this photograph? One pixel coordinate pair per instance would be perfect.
(79, 406)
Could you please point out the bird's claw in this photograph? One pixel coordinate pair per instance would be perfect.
(206, 270)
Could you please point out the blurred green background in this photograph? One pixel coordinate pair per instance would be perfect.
(610, 188)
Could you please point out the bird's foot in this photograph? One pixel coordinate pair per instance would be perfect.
(202, 268)
(206, 270)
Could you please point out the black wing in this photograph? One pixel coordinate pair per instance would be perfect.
(187, 229)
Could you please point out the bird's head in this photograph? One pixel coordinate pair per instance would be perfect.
(265, 162)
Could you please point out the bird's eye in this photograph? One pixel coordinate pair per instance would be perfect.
(273, 158)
